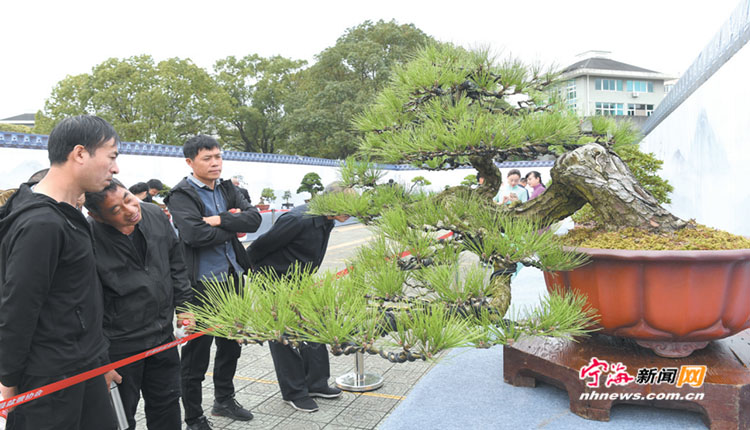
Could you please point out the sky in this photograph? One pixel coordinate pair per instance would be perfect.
(44, 41)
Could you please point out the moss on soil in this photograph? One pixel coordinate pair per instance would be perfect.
(693, 237)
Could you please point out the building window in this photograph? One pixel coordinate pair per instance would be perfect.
(604, 108)
(640, 109)
(608, 84)
(640, 86)
(570, 94)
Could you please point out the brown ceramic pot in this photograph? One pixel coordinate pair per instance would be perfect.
(673, 302)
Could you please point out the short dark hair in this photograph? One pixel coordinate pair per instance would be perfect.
(155, 183)
(514, 172)
(194, 145)
(87, 130)
(140, 187)
(94, 200)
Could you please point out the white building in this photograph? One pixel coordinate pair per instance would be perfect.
(598, 85)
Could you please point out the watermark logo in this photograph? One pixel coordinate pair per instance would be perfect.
(617, 374)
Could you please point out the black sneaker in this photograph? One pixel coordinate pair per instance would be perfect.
(231, 409)
(201, 424)
(326, 393)
(305, 404)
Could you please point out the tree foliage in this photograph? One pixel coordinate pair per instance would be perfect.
(14, 128)
(145, 102)
(343, 81)
(310, 184)
(257, 89)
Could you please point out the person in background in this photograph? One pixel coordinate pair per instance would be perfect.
(513, 191)
(208, 214)
(144, 279)
(297, 239)
(139, 190)
(50, 295)
(154, 187)
(534, 179)
(237, 183)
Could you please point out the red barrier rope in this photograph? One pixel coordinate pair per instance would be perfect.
(65, 383)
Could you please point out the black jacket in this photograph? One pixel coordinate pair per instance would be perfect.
(187, 211)
(50, 295)
(295, 238)
(245, 194)
(139, 300)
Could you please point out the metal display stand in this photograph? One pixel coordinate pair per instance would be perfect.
(359, 381)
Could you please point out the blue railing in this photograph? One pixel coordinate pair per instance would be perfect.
(39, 141)
(732, 36)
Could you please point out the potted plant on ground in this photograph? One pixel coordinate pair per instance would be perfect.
(310, 184)
(287, 196)
(266, 196)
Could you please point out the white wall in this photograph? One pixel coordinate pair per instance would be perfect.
(18, 164)
(705, 145)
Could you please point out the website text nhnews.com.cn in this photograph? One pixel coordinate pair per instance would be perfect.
(595, 395)
(613, 374)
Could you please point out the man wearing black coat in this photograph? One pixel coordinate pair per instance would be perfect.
(144, 278)
(50, 295)
(208, 214)
(298, 238)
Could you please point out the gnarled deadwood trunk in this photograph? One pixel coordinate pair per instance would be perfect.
(596, 175)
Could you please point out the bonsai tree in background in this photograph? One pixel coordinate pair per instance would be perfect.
(267, 196)
(310, 184)
(418, 182)
(469, 181)
(287, 196)
(424, 281)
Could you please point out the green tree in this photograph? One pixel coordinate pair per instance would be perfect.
(145, 102)
(310, 184)
(344, 80)
(267, 195)
(15, 128)
(257, 88)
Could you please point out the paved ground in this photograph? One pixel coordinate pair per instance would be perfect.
(258, 389)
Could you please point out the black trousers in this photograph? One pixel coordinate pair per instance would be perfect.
(158, 378)
(194, 359)
(300, 371)
(84, 406)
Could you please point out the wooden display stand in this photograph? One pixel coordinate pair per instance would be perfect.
(726, 387)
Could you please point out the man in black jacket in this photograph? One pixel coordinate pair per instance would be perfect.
(208, 214)
(144, 278)
(301, 239)
(50, 295)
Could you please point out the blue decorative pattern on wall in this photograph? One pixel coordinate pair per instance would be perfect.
(38, 141)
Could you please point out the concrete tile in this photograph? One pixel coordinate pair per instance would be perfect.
(299, 424)
(374, 403)
(359, 418)
(275, 406)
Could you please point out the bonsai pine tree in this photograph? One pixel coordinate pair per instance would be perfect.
(424, 282)
(310, 184)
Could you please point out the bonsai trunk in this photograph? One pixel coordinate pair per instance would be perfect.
(596, 175)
